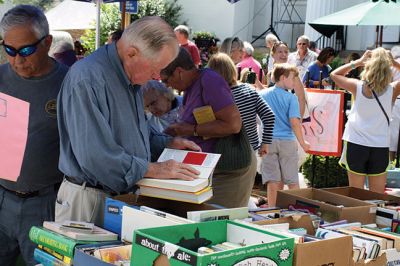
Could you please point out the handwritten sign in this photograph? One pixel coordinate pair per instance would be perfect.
(324, 131)
(14, 119)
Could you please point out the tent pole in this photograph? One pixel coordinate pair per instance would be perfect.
(381, 36)
(98, 4)
(377, 37)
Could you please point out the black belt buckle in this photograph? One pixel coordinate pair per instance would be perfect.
(25, 195)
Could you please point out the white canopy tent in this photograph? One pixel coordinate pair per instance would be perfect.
(72, 15)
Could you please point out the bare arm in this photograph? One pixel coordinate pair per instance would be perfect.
(227, 122)
(350, 84)
(296, 127)
(396, 90)
(299, 91)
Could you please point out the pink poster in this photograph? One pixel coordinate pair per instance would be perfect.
(324, 131)
(14, 119)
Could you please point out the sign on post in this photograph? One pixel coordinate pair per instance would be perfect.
(324, 131)
(131, 7)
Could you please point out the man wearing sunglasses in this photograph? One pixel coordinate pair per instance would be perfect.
(32, 76)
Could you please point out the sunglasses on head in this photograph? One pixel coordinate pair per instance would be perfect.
(24, 51)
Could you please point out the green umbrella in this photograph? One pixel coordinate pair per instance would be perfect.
(372, 13)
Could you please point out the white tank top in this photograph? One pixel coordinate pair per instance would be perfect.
(367, 124)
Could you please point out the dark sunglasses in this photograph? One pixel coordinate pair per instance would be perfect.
(25, 51)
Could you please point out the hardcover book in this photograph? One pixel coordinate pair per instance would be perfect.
(46, 259)
(59, 243)
(98, 234)
(205, 163)
(191, 197)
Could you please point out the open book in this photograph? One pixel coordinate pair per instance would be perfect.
(203, 162)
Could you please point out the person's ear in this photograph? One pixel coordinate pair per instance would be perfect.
(48, 40)
(180, 71)
(132, 51)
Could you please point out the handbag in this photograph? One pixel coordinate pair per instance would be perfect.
(235, 151)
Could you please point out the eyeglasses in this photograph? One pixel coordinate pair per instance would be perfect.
(302, 43)
(24, 51)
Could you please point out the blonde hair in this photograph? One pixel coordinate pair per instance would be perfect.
(243, 74)
(377, 72)
(283, 70)
(223, 65)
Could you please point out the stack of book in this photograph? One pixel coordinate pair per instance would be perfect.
(56, 241)
(195, 191)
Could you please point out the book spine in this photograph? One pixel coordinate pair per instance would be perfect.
(63, 258)
(52, 240)
(46, 259)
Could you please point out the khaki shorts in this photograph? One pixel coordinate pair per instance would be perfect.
(280, 164)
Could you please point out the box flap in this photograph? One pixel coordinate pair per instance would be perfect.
(335, 251)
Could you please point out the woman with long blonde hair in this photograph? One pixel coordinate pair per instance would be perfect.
(366, 137)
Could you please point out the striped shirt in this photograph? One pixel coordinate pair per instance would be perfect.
(251, 104)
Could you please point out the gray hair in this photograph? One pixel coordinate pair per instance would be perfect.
(304, 38)
(248, 48)
(150, 35)
(270, 39)
(25, 15)
(183, 30)
(154, 87)
(230, 44)
(62, 41)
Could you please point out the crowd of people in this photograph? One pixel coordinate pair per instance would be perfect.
(97, 125)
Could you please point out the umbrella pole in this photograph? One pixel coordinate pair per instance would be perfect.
(381, 36)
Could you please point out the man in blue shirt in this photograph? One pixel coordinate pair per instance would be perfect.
(106, 144)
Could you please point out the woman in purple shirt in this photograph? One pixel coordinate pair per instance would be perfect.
(202, 88)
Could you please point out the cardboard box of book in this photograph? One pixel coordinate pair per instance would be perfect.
(113, 208)
(385, 212)
(90, 254)
(362, 194)
(178, 245)
(337, 251)
(330, 206)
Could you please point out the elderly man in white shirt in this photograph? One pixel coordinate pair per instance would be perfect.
(303, 57)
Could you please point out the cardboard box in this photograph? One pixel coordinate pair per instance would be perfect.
(362, 194)
(296, 221)
(83, 259)
(330, 206)
(379, 261)
(163, 245)
(337, 251)
(113, 208)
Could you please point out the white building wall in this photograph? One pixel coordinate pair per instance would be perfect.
(249, 18)
(219, 16)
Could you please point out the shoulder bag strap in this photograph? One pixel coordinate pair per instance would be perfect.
(380, 105)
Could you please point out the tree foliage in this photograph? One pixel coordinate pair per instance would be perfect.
(171, 11)
(44, 4)
(110, 19)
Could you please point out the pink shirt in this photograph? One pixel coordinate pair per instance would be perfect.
(250, 62)
(193, 51)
